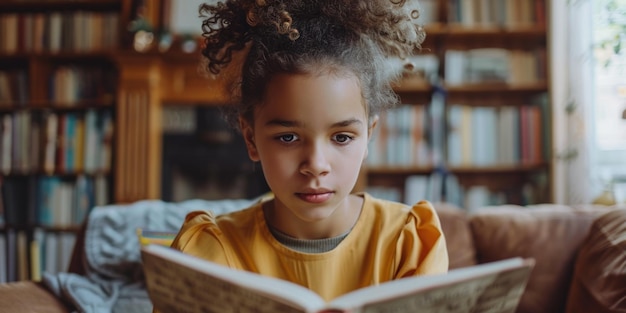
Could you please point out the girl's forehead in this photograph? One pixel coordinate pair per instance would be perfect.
(313, 96)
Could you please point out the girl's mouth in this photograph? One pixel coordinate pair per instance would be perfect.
(315, 197)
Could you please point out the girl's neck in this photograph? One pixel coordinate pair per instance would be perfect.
(340, 222)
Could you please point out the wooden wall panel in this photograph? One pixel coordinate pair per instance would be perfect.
(139, 135)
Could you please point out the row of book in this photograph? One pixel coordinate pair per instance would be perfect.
(495, 65)
(77, 31)
(66, 203)
(25, 256)
(492, 136)
(51, 201)
(401, 138)
(52, 142)
(421, 135)
(497, 13)
(438, 187)
(68, 84)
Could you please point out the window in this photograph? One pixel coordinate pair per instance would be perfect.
(609, 95)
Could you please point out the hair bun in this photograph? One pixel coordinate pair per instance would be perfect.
(392, 25)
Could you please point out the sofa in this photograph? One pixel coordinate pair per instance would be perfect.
(579, 252)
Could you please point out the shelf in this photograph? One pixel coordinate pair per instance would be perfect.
(398, 170)
(410, 84)
(499, 88)
(81, 105)
(53, 229)
(463, 37)
(422, 90)
(59, 5)
(459, 170)
(58, 56)
(414, 90)
(498, 169)
(64, 174)
(60, 229)
(491, 31)
(495, 94)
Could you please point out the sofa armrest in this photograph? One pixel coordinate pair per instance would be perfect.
(29, 296)
(550, 234)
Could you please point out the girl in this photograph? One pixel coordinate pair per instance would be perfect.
(313, 77)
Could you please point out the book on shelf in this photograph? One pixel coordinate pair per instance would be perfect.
(3, 260)
(401, 138)
(173, 280)
(487, 136)
(18, 205)
(10, 255)
(56, 31)
(498, 13)
(495, 66)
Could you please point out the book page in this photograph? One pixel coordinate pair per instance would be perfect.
(178, 282)
(493, 288)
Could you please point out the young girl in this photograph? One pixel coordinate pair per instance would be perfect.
(313, 77)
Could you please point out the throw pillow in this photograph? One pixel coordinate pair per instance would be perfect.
(599, 282)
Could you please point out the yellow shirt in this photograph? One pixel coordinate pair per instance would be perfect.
(389, 241)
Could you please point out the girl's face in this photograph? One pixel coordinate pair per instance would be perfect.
(310, 136)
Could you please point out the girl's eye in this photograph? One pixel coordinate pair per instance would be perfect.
(342, 138)
(287, 138)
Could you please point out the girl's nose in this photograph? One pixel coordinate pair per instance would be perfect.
(316, 162)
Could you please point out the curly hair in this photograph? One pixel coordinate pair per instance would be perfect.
(309, 37)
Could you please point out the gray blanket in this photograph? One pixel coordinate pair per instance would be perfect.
(114, 281)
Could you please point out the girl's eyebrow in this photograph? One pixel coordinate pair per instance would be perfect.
(347, 122)
(287, 123)
(283, 123)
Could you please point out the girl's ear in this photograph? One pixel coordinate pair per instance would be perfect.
(248, 136)
(373, 121)
(372, 126)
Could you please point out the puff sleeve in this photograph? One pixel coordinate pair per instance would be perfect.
(200, 236)
(421, 247)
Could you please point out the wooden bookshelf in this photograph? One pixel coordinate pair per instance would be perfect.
(525, 34)
(58, 89)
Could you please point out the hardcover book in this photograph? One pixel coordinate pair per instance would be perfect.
(178, 282)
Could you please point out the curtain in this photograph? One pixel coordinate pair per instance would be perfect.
(571, 80)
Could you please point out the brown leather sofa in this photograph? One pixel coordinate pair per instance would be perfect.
(580, 255)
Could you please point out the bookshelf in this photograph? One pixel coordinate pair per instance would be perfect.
(58, 86)
(513, 33)
(135, 87)
(483, 135)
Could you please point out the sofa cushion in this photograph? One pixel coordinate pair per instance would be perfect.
(599, 282)
(551, 234)
(28, 297)
(456, 230)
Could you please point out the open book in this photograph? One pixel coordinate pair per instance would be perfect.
(178, 282)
